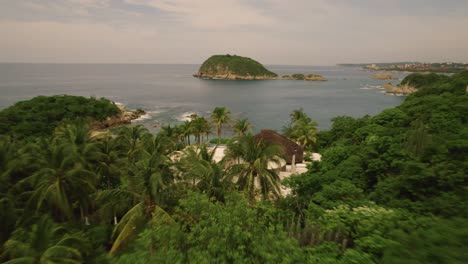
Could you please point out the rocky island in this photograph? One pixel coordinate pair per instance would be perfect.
(383, 76)
(233, 67)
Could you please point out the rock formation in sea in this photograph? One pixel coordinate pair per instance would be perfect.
(233, 67)
(300, 76)
(383, 76)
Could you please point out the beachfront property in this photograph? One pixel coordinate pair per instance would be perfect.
(291, 163)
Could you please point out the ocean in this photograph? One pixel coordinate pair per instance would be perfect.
(169, 93)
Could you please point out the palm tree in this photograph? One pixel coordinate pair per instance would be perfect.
(130, 137)
(44, 242)
(187, 131)
(200, 127)
(8, 156)
(108, 163)
(220, 116)
(242, 127)
(203, 173)
(77, 138)
(298, 114)
(172, 133)
(302, 129)
(61, 181)
(304, 133)
(253, 169)
(148, 187)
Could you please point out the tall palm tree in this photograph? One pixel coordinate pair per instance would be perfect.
(200, 127)
(187, 131)
(130, 137)
(299, 114)
(44, 242)
(77, 138)
(8, 156)
(203, 173)
(220, 116)
(302, 129)
(108, 163)
(253, 170)
(242, 127)
(148, 187)
(61, 182)
(172, 133)
(305, 133)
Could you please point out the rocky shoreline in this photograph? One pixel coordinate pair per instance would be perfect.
(228, 76)
(124, 118)
(383, 76)
(400, 89)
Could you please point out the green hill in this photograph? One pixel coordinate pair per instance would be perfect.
(233, 67)
(40, 115)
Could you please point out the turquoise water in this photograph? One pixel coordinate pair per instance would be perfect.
(169, 93)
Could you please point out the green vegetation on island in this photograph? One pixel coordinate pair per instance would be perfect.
(415, 81)
(390, 188)
(303, 77)
(41, 115)
(233, 67)
(421, 67)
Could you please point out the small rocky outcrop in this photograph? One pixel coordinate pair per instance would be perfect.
(300, 76)
(401, 89)
(383, 76)
(125, 117)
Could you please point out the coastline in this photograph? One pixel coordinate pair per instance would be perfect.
(231, 77)
(125, 117)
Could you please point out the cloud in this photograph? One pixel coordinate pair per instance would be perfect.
(210, 14)
(273, 31)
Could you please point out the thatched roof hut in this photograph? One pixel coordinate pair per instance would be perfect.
(290, 148)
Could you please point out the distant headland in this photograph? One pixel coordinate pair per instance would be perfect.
(233, 67)
(443, 67)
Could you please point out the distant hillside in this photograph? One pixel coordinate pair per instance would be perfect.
(233, 67)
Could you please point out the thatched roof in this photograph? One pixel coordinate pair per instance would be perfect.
(290, 148)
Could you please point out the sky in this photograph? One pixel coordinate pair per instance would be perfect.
(287, 32)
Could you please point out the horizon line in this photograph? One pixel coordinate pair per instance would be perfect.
(269, 64)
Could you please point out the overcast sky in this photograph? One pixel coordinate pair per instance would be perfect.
(296, 32)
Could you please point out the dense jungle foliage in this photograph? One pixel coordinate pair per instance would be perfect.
(391, 188)
(41, 115)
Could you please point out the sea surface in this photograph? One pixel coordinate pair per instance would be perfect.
(169, 93)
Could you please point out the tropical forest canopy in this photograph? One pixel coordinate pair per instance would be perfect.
(41, 115)
(390, 188)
